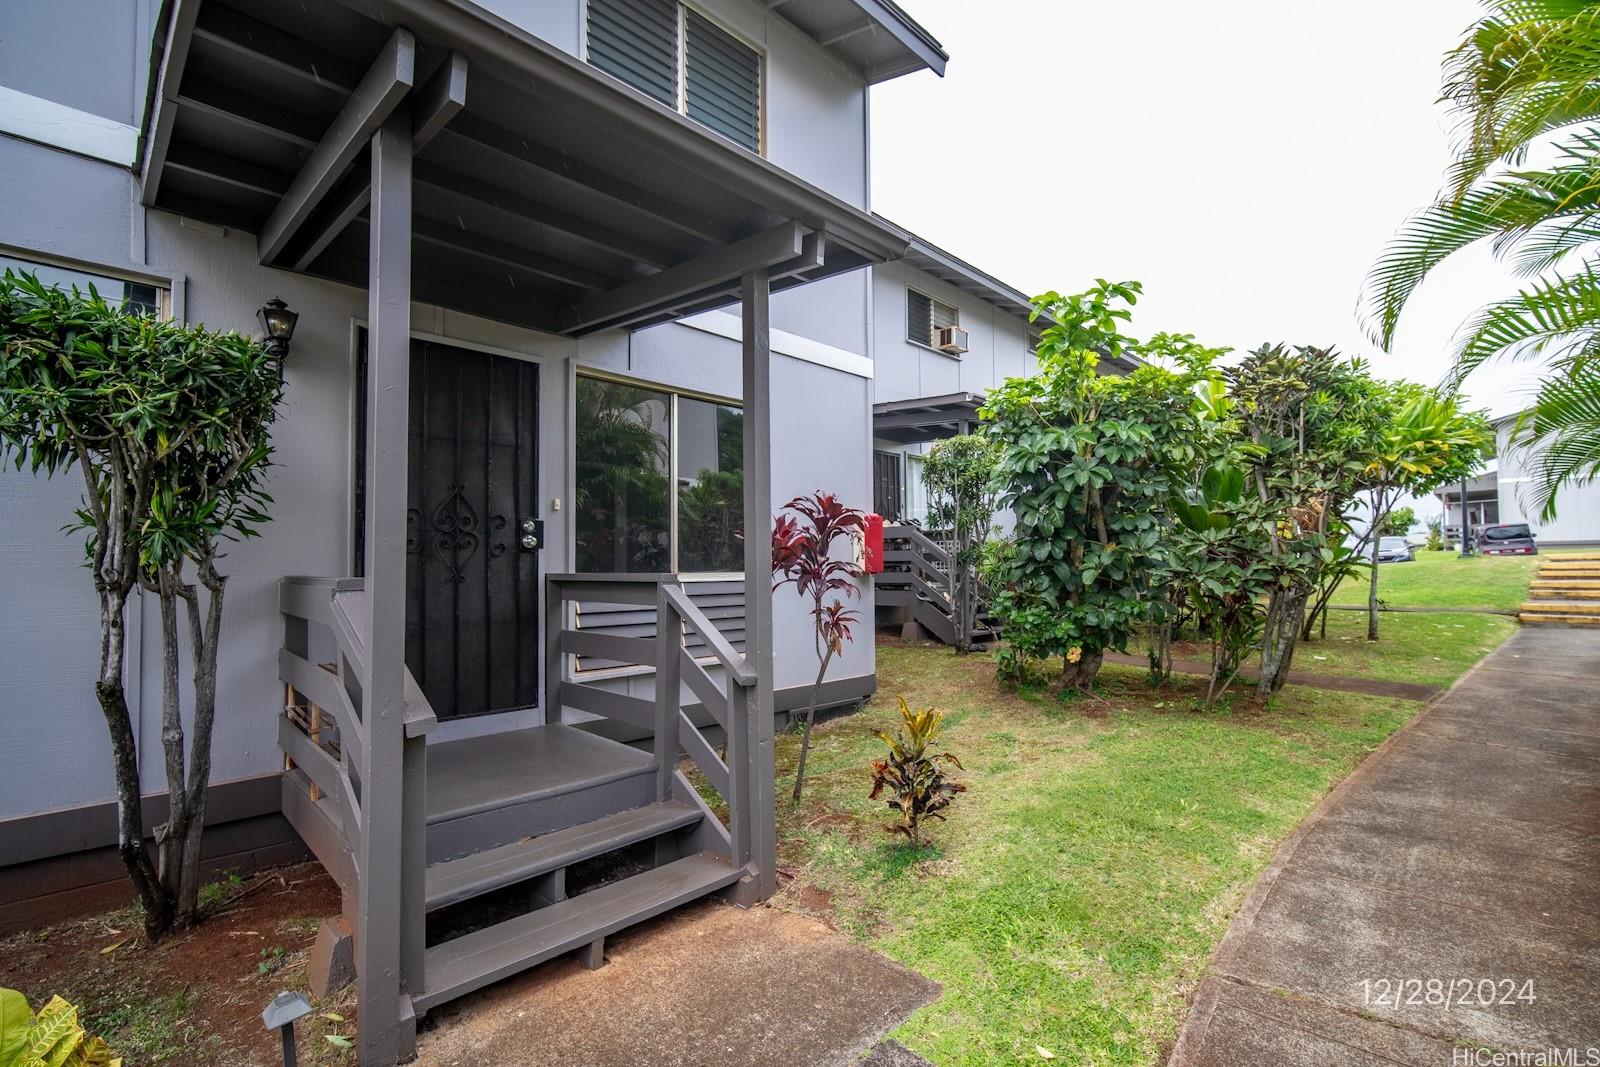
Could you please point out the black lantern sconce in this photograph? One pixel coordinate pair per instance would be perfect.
(277, 327)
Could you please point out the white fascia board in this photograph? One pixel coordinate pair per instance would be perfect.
(726, 324)
(46, 122)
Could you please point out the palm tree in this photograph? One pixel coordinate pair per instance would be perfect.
(1527, 73)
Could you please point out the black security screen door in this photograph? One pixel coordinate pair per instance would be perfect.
(472, 638)
(887, 493)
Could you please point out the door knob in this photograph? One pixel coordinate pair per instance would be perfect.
(532, 537)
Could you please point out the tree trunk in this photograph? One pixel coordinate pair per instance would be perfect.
(170, 835)
(113, 698)
(1285, 612)
(1372, 592)
(811, 717)
(205, 641)
(1081, 675)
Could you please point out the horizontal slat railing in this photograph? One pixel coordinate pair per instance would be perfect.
(678, 624)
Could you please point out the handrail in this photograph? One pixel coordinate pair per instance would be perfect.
(674, 733)
(737, 666)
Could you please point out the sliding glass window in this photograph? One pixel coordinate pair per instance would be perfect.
(660, 482)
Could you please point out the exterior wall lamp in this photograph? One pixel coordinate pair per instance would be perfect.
(277, 327)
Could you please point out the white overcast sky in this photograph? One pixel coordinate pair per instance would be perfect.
(1245, 159)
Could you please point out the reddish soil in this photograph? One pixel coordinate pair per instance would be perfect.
(196, 997)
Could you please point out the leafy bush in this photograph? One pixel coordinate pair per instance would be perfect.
(914, 776)
(52, 1038)
(1087, 462)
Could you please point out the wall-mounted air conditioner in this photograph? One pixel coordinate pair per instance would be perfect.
(952, 339)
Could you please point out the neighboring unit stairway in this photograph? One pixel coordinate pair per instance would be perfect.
(1565, 592)
(533, 875)
(915, 582)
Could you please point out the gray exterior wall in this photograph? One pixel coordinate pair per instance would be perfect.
(999, 348)
(1577, 518)
(56, 204)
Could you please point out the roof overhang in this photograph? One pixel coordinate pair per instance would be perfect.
(545, 193)
(927, 418)
(876, 37)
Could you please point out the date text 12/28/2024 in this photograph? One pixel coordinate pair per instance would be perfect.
(1446, 993)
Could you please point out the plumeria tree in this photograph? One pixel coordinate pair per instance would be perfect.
(168, 426)
(803, 538)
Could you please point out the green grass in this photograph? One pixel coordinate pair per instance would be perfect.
(1077, 892)
(1432, 648)
(1445, 580)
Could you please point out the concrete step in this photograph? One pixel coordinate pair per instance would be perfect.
(1565, 590)
(1559, 620)
(1561, 607)
(474, 960)
(471, 876)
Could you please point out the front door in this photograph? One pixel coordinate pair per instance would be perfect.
(472, 637)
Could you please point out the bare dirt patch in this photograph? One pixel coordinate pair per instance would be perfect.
(195, 998)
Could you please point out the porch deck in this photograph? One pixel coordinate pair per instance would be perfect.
(532, 842)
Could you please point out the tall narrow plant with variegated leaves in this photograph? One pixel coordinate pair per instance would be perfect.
(803, 555)
(1526, 75)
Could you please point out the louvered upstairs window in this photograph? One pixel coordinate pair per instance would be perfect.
(682, 59)
(637, 42)
(925, 317)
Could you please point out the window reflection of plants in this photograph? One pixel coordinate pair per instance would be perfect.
(711, 502)
(622, 483)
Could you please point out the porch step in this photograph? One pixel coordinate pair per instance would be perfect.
(1552, 619)
(462, 879)
(1565, 590)
(1561, 607)
(474, 960)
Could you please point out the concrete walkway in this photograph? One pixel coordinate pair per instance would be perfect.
(1465, 850)
(705, 986)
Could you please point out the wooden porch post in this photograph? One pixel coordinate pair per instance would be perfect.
(757, 359)
(381, 843)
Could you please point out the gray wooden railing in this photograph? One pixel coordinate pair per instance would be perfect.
(680, 624)
(324, 735)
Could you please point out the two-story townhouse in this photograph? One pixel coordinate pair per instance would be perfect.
(503, 228)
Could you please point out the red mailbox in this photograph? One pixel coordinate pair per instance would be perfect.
(872, 542)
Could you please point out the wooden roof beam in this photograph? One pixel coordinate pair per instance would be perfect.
(690, 281)
(381, 90)
(439, 101)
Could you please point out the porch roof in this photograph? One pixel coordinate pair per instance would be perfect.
(545, 193)
(926, 418)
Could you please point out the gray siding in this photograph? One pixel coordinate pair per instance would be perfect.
(1000, 348)
(86, 54)
(51, 202)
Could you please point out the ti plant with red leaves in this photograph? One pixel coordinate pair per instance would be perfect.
(802, 554)
(914, 776)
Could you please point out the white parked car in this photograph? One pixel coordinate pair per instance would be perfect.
(1417, 536)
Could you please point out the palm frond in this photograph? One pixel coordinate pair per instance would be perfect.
(1552, 317)
(1508, 209)
(1561, 433)
(1525, 69)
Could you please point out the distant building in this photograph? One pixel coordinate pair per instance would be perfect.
(1503, 492)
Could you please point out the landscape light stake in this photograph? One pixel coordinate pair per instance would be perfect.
(280, 1014)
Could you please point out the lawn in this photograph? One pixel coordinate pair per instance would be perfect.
(1074, 898)
(1431, 648)
(1445, 580)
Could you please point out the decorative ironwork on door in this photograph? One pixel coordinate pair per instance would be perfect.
(472, 578)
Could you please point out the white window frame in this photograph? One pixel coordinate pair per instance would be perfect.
(169, 288)
(933, 301)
